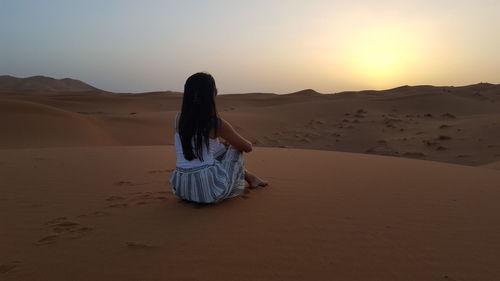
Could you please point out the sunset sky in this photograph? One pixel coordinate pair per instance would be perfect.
(253, 46)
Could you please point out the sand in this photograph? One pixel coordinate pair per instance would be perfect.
(107, 213)
(84, 191)
(459, 125)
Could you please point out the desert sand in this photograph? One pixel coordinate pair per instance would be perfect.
(459, 125)
(84, 191)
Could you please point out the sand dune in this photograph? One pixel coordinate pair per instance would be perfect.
(448, 124)
(108, 214)
(27, 125)
(493, 165)
(84, 191)
(43, 83)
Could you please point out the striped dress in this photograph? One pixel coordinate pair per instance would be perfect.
(222, 178)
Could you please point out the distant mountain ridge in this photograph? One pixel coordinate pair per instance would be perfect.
(43, 83)
(49, 84)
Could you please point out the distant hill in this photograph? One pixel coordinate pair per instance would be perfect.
(306, 92)
(43, 83)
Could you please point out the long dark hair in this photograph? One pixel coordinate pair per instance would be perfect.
(199, 114)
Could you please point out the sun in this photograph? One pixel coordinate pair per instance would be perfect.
(381, 55)
(378, 58)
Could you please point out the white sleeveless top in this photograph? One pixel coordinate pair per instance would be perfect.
(208, 155)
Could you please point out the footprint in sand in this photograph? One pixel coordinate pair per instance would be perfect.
(49, 239)
(444, 126)
(120, 205)
(129, 183)
(144, 197)
(442, 137)
(9, 266)
(449, 278)
(126, 183)
(448, 115)
(79, 232)
(114, 198)
(139, 245)
(62, 227)
(160, 171)
(136, 198)
(96, 214)
(414, 154)
(430, 143)
(360, 113)
(61, 222)
(40, 158)
(56, 220)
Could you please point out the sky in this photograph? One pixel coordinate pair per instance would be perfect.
(278, 46)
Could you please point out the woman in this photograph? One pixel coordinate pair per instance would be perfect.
(208, 170)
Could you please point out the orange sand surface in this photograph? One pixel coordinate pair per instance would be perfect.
(84, 191)
(459, 125)
(107, 213)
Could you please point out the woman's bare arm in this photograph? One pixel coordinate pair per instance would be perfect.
(228, 133)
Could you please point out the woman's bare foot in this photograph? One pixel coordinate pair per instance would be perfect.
(254, 181)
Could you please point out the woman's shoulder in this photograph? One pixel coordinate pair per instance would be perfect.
(224, 124)
(222, 121)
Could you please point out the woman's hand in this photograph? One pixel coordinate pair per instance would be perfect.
(225, 143)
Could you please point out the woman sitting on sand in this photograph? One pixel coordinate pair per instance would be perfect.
(207, 170)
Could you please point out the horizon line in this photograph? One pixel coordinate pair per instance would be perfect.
(256, 92)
